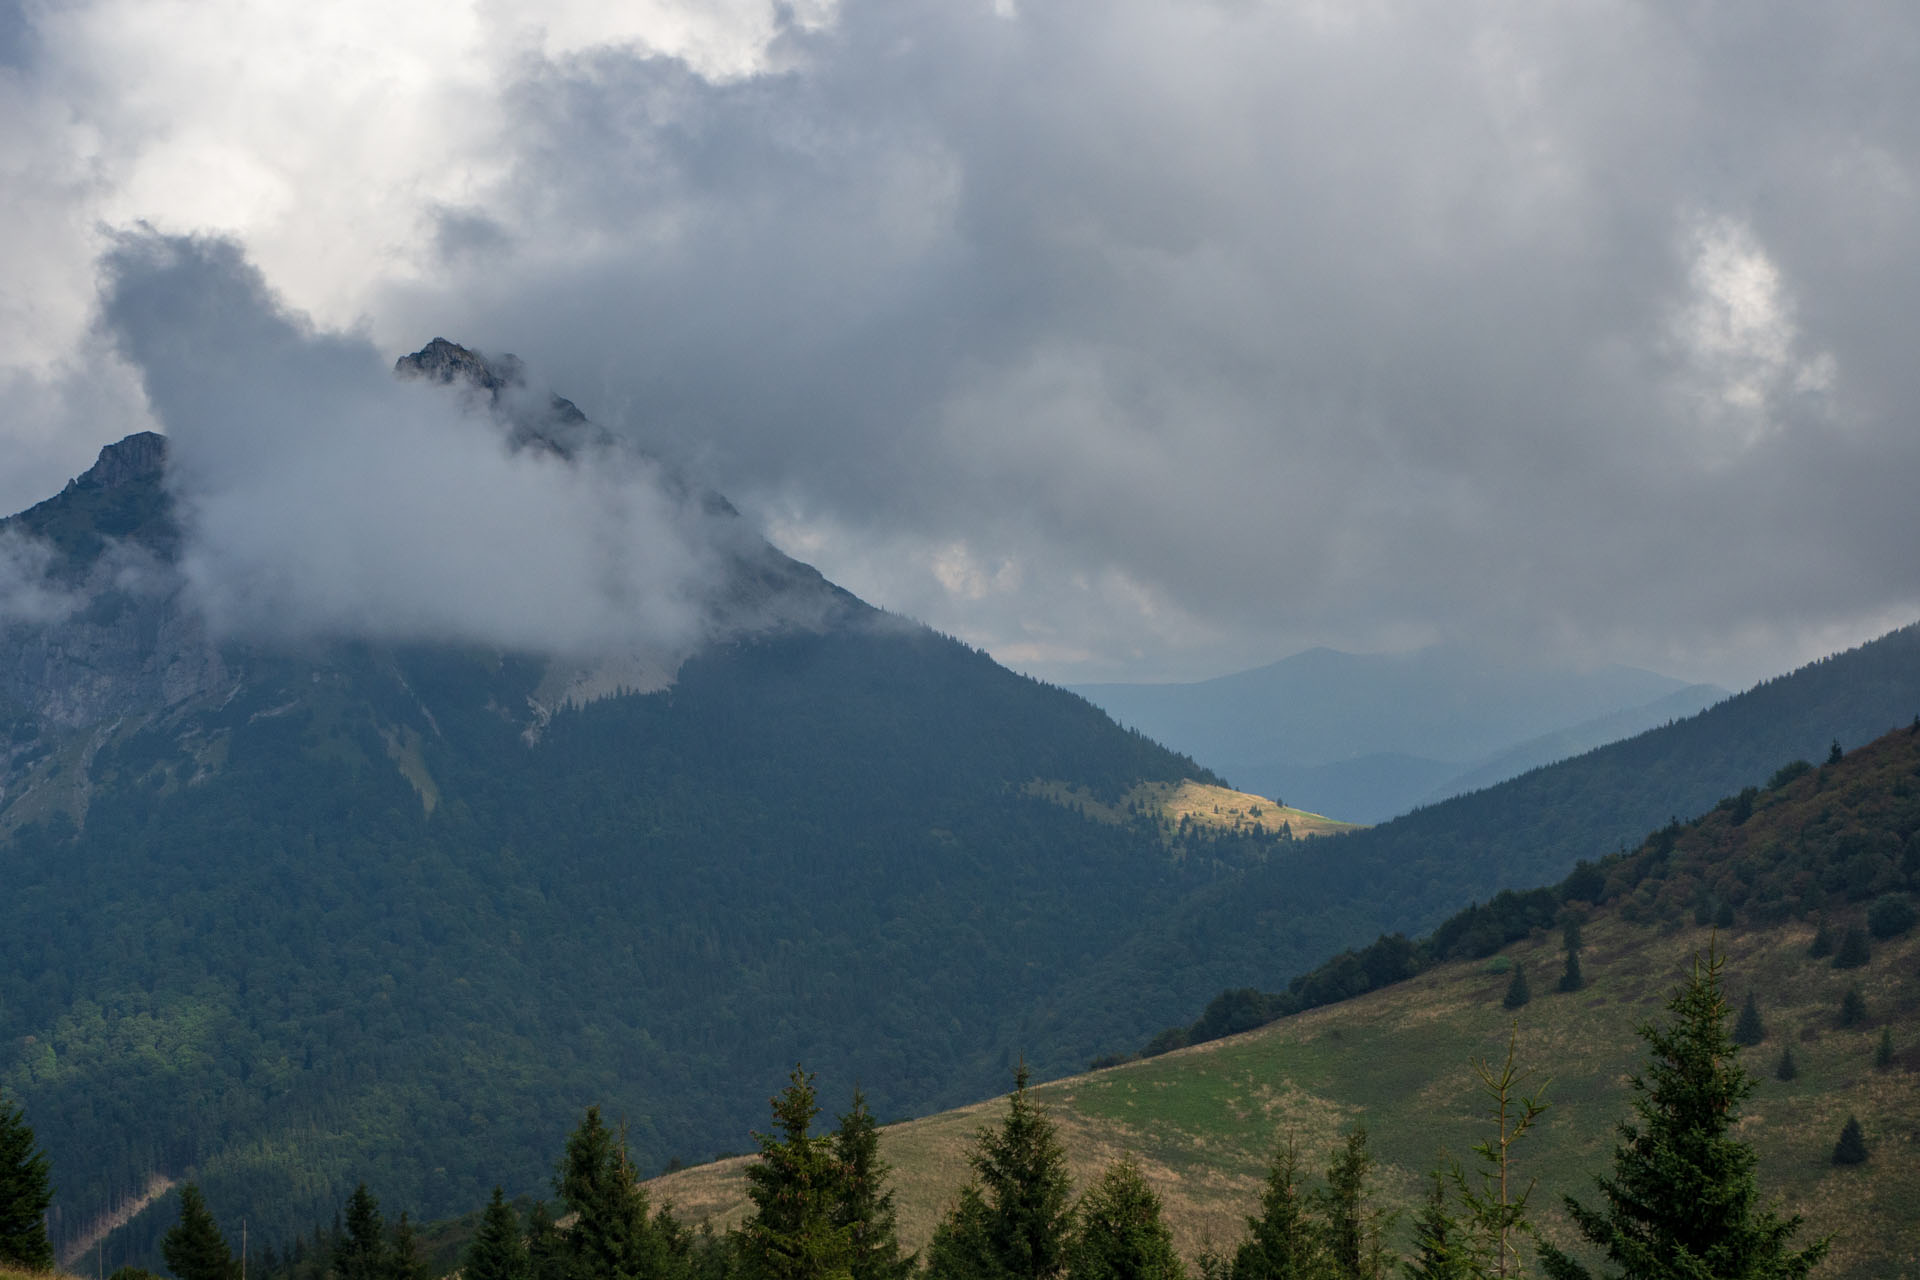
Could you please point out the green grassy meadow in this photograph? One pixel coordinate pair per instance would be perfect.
(1203, 1121)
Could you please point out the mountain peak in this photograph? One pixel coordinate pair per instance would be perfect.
(449, 362)
(558, 426)
(141, 456)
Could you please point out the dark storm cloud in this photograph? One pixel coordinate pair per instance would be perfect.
(1579, 327)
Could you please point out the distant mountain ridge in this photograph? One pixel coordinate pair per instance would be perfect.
(1578, 739)
(1367, 736)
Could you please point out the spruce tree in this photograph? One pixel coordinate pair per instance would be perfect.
(1822, 945)
(1571, 979)
(959, 1248)
(1786, 1069)
(1351, 1228)
(1497, 1207)
(403, 1261)
(1285, 1241)
(193, 1247)
(497, 1252)
(1883, 1056)
(612, 1237)
(865, 1208)
(712, 1256)
(361, 1252)
(1853, 1007)
(1682, 1199)
(1011, 1222)
(1852, 1146)
(1442, 1247)
(25, 1193)
(1749, 1030)
(1120, 1232)
(1853, 952)
(547, 1256)
(1518, 993)
(796, 1190)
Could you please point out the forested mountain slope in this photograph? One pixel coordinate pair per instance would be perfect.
(1269, 925)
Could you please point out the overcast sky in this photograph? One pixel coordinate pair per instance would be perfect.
(1126, 339)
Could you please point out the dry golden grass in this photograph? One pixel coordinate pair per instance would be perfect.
(1204, 1121)
(1201, 803)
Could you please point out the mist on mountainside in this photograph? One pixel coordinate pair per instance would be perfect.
(320, 497)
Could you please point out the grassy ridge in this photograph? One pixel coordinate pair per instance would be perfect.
(1204, 1120)
(1174, 806)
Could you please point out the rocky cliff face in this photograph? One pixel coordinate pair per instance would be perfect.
(140, 458)
(113, 635)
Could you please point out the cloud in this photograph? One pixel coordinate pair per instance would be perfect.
(27, 593)
(1354, 327)
(1154, 337)
(322, 496)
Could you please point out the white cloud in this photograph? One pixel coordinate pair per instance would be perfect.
(27, 594)
(1740, 341)
(323, 496)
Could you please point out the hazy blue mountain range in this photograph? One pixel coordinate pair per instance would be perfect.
(1363, 737)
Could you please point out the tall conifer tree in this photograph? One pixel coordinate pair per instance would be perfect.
(403, 1261)
(361, 1252)
(193, 1247)
(865, 1206)
(547, 1256)
(960, 1248)
(1011, 1222)
(25, 1193)
(796, 1191)
(1284, 1240)
(497, 1252)
(1120, 1233)
(1682, 1199)
(1353, 1229)
(1442, 1247)
(1497, 1208)
(612, 1237)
